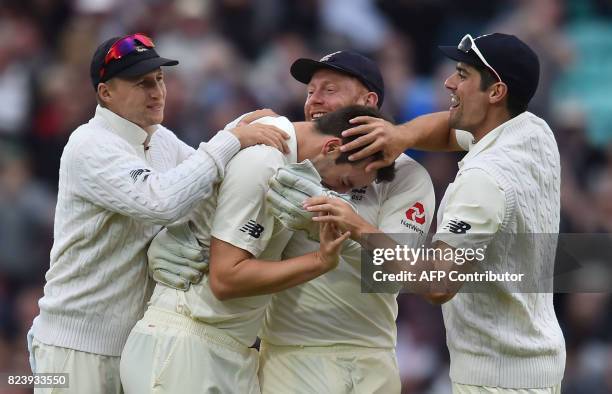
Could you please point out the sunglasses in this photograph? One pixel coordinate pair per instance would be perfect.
(124, 46)
(467, 43)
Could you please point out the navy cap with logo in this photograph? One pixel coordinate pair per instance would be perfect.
(516, 64)
(136, 59)
(347, 62)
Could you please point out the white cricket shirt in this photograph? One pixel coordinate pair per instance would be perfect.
(236, 213)
(331, 309)
(508, 184)
(113, 198)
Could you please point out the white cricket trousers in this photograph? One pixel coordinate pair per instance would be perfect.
(167, 352)
(87, 372)
(469, 389)
(337, 369)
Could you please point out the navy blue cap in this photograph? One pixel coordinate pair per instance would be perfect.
(139, 62)
(517, 64)
(347, 62)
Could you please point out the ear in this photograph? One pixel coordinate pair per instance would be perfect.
(371, 99)
(332, 146)
(104, 92)
(498, 92)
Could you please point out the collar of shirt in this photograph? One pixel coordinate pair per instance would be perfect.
(125, 129)
(488, 139)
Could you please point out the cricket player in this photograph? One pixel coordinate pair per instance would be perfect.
(198, 340)
(122, 176)
(505, 197)
(325, 336)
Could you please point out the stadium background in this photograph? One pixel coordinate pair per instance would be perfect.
(235, 56)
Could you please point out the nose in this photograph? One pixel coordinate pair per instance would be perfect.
(315, 98)
(450, 82)
(157, 89)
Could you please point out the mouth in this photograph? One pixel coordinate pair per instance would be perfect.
(454, 101)
(155, 107)
(315, 115)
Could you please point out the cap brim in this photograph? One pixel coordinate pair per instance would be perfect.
(453, 53)
(146, 66)
(303, 69)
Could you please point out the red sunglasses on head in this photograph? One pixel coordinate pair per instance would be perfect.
(125, 46)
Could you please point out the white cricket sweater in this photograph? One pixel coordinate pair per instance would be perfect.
(113, 196)
(500, 338)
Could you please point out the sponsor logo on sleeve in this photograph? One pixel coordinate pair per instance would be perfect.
(253, 228)
(415, 218)
(458, 226)
(416, 213)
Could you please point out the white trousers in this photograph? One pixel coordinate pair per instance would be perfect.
(335, 369)
(87, 372)
(170, 353)
(469, 389)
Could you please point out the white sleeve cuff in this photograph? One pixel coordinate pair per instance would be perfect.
(221, 148)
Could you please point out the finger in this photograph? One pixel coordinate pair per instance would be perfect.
(181, 251)
(359, 142)
(253, 116)
(342, 238)
(201, 267)
(275, 130)
(316, 200)
(281, 144)
(291, 180)
(322, 208)
(292, 195)
(170, 279)
(272, 142)
(357, 130)
(192, 275)
(368, 151)
(179, 278)
(282, 208)
(363, 120)
(286, 149)
(331, 219)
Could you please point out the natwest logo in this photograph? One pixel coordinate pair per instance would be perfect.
(416, 213)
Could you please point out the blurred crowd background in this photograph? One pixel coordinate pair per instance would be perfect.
(235, 57)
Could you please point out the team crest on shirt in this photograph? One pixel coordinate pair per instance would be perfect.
(253, 228)
(415, 217)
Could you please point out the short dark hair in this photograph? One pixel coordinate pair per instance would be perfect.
(334, 123)
(514, 104)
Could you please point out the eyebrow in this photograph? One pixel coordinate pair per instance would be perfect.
(462, 69)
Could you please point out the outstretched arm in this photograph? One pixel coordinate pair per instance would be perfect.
(429, 132)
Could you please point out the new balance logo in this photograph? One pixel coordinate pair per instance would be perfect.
(136, 173)
(458, 227)
(253, 228)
